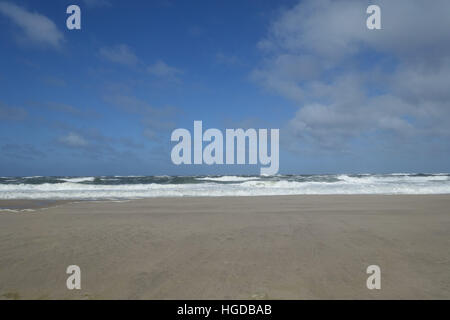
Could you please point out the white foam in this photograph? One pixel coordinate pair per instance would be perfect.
(245, 186)
(227, 178)
(80, 179)
(17, 210)
(395, 178)
(128, 177)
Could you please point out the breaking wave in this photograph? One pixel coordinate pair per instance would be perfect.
(135, 187)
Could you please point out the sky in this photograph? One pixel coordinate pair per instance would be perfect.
(104, 100)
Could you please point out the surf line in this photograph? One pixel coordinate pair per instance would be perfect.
(213, 153)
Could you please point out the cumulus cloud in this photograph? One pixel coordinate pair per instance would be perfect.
(35, 28)
(121, 54)
(73, 140)
(162, 70)
(350, 82)
(91, 143)
(124, 55)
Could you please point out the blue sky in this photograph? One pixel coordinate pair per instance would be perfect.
(103, 100)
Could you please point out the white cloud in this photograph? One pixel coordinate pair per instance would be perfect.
(36, 28)
(162, 70)
(121, 54)
(313, 53)
(73, 140)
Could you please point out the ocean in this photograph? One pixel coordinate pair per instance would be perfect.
(138, 187)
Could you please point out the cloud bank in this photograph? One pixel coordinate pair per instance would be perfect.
(350, 82)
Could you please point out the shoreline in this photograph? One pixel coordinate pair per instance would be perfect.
(21, 205)
(39, 204)
(277, 247)
(145, 187)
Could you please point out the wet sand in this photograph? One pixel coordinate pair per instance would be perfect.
(28, 205)
(281, 247)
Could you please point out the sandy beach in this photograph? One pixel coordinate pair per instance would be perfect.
(278, 247)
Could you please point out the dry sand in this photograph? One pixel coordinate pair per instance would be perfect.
(283, 247)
